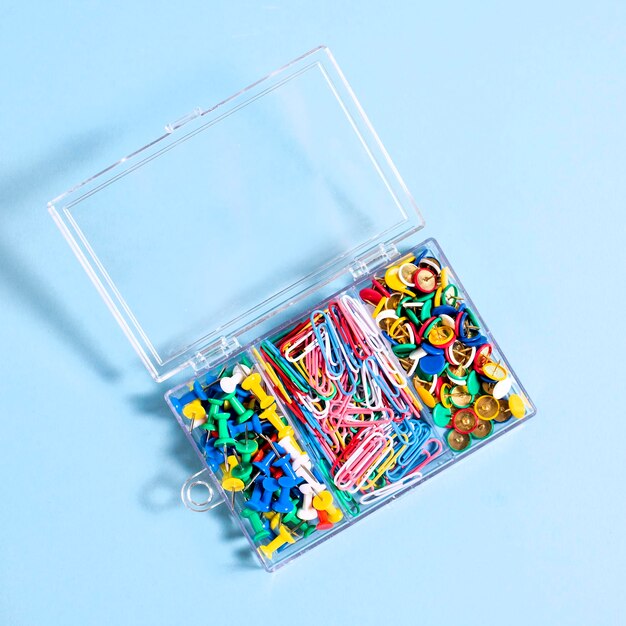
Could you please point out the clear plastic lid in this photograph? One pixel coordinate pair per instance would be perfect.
(236, 212)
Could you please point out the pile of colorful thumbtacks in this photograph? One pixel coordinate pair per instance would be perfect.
(247, 442)
(439, 343)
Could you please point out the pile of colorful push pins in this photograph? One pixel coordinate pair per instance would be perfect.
(439, 343)
(255, 452)
(344, 386)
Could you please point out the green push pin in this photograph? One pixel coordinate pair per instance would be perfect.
(309, 530)
(426, 309)
(245, 449)
(223, 434)
(473, 384)
(441, 415)
(214, 406)
(260, 533)
(243, 414)
(292, 516)
(402, 350)
(242, 472)
(411, 315)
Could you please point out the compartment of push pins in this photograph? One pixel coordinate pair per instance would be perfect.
(352, 403)
(445, 348)
(272, 484)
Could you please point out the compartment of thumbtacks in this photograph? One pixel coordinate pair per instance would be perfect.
(445, 348)
(351, 402)
(273, 486)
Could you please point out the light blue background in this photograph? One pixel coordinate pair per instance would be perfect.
(507, 124)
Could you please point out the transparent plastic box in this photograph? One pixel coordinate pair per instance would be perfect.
(236, 224)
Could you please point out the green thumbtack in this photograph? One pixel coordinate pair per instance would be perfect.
(242, 472)
(260, 533)
(291, 517)
(473, 384)
(309, 530)
(236, 405)
(425, 312)
(246, 449)
(411, 315)
(224, 438)
(441, 415)
(214, 406)
(404, 349)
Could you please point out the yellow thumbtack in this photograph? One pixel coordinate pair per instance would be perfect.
(427, 398)
(393, 281)
(283, 537)
(323, 501)
(516, 406)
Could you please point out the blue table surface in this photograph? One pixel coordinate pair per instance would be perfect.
(507, 123)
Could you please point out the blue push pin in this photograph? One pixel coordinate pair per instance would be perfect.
(255, 422)
(432, 364)
(200, 392)
(210, 379)
(254, 502)
(284, 464)
(433, 350)
(270, 486)
(213, 456)
(237, 429)
(184, 400)
(284, 504)
(476, 341)
(264, 464)
(443, 309)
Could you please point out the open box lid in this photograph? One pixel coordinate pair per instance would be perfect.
(236, 212)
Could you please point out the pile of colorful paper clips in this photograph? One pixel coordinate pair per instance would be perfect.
(341, 381)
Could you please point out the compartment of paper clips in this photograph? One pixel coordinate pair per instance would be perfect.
(339, 411)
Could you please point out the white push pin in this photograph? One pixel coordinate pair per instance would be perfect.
(417, 354)
(502, 387)
(302, 460)
(307, 475)
(241, 370)
(291, 447)
(446, 320)
(306, 511)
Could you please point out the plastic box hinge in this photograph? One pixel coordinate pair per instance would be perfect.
(379, 256)
(214, 352)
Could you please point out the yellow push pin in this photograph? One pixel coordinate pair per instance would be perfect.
(394, 283)
(230, 483)
(253, 384)
(487, 407)
(283, 537)
(274, 419)
(426, 397)
(494, 370)
(323, 501)
(517, 406)
(440, 335)
(195, 412)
